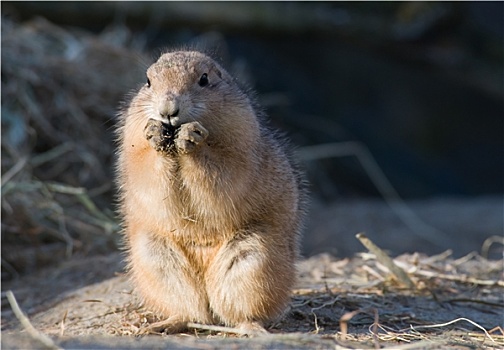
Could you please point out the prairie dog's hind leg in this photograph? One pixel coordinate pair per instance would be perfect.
(249, 281)
(167, 283)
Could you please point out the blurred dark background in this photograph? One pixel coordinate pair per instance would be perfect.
(418, 84)
(421, 84)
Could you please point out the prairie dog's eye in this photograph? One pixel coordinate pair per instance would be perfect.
(203, 80)
(148, 82)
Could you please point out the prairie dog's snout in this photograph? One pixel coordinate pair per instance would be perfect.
(169, 109)
(169, 106)
(171, 93)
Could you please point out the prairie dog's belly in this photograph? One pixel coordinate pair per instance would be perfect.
(157, 251)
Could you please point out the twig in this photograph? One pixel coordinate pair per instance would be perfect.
(373, 272)
(464, 259)
(79, 192)
(329, 303)
(53, 153)
(461, 278)
(317, 328)
(497, 328)
(375, 328)
(485, 248)
(439, 257)
(9, 174)
(218, 328)
(62, 329)
(457, 278)
(383, 258)
(349, 315)
(34, 333)
(392, 335)
(453, 321)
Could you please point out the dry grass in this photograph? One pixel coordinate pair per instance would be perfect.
(345, 304)
(59, 94)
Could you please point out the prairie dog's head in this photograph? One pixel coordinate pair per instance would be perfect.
(184, 86)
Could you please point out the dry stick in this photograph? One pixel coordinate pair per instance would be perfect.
(53, 153)
(62, 329)
(344, 322)
(79, 192)
(383, 258)
(375, 328)
(439, 257)
(218, 328)
(317, 328)
(382, 184)
(464, 259)
(329, 303)
(457, 278)
(497, 328)
(462, 278)
(485, 248)
(349, 315)
(14, 170)
(453, 321)
(34, 333)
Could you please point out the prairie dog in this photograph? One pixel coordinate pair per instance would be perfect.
(212, 206)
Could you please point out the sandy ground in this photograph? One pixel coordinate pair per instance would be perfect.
(88, 303)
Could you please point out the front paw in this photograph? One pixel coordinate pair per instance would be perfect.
(159, 135)
(190, 136)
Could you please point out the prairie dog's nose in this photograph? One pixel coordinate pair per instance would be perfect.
(169, 107)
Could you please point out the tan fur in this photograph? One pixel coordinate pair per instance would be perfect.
(212, 225)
